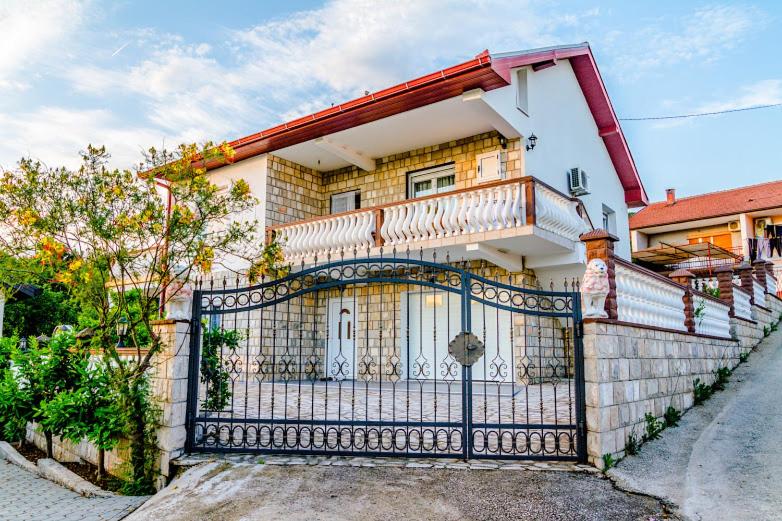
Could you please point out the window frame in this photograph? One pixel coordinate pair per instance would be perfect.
(431, 173)
(356, 200)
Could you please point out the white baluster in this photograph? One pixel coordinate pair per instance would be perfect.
(388, 225)
(441, 205)
(431, 215)
(507, 211)
(420, 222)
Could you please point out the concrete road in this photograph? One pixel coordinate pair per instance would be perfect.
(724, 461)
(223, 491)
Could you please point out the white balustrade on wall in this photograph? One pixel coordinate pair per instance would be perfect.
(741, 303)
(558, 214)
(474, 211)
(711, 317)
(772, 284)
(323, 237)
(759, 293)
(644, 299)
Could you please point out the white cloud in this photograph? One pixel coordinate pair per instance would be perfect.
(704, 35)
(32, 34)
(55, 136)
(765, 92)
(292, 66)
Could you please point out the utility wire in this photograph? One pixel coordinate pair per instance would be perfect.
(682, 116)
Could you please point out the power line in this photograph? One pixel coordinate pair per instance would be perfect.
(682, 116)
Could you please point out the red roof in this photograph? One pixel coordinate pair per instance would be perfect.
(716, 204)
(483, 72)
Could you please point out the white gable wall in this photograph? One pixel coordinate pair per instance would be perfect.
(567, 137)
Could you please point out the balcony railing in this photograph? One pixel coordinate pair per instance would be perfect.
(493, 207)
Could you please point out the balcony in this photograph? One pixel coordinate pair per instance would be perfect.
(499, 221)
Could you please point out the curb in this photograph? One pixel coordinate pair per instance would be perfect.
(53, 471)
(9, 453)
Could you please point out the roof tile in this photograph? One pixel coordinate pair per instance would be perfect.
(715, 204)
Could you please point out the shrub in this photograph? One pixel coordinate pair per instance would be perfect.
(672, 416)
(217, 343)
(632, 445)
(653, 427)
(701, 391)
(722, 376)
(608, 461)
(743, 357)
(15, 407)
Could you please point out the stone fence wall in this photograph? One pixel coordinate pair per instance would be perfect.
(169, 387)
(634, 368)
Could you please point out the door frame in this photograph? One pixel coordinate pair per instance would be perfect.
(349, 304)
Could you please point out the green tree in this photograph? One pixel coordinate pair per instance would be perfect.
(101, 231)
(44, 371)
(39, 315)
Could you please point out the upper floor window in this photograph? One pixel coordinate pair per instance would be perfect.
(434, 180)
(346, 201)
(609, 219)
(522, 102)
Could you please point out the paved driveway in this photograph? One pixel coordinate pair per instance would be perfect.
(223, 491)
(724, 461)
(25, 496)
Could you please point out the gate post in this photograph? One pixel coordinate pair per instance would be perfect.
(466, 370)
(169, 380)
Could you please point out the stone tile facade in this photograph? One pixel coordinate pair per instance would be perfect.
(295, 192)
(388, 183)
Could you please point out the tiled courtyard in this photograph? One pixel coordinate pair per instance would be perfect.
(405, 416)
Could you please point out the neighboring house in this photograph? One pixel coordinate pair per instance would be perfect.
(705, 231)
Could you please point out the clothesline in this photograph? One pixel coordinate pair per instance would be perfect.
(764, 247)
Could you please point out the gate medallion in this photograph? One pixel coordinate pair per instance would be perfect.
(466, 348)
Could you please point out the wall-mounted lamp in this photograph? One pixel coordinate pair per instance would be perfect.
(503, 142)
(531, 141)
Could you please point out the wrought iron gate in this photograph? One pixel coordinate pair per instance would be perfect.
(353, 357)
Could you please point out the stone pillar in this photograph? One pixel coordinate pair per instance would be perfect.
(745, 273)
(685, 278)
(759, 267)
(725, 283)
(600, 245)
(770, 271)
(169, 384)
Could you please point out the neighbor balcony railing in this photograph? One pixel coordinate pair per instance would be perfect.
(502, 205)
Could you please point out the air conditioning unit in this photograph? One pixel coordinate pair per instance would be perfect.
(760, 227)
(578, 182)
(734, 226)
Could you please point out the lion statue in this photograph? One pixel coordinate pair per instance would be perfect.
(594, 289)
(178, 305)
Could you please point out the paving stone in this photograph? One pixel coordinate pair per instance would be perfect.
(26, 496)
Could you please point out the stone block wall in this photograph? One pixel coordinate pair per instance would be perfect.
(631, 370)
(295, 192)
(747, 332)
(388, 182)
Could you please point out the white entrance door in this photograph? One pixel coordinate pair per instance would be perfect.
(434, 319)
(341, 344)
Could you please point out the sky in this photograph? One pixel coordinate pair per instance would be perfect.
(135, 74)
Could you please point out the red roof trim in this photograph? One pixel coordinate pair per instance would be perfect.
(483, 71)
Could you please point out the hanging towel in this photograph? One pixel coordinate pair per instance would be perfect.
(753, 249)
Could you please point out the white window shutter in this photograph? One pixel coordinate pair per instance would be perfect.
(489, 166)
